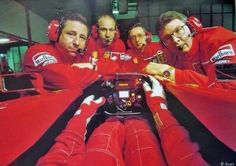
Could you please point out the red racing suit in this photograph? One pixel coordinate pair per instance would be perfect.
(211, 46)
(127, 142)
(137, 60)
(110, 57)
(54, 64)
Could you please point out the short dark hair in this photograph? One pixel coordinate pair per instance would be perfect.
(73, 17)
(167, 17)
(138, 24)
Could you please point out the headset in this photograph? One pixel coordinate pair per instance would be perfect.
(94, 32)
(148, 35)
(55, 26)
(148, 39)
(194, 24)
(95, 27)
(53, 30)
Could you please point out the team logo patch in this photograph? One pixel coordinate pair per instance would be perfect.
(106, 54)
(43, 58)
(224, 51)
(222, 62)
(125, 57)
(135, 60)
(113, 55)
(114, 58)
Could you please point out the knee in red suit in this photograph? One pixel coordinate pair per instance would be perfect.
(106, 142)
(142, 146)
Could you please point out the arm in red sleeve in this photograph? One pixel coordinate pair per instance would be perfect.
(69, 148)
(190, 77)
(57, 74)
(106, 66)
(175, 141)
(61, 76)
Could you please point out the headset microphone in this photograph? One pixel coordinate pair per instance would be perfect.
(80, 50)
(191, 34)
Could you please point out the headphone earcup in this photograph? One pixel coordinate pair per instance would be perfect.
(148, 36)
(194, 24)
(53, 30)
(94, 31)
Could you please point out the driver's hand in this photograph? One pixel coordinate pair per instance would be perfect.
(83, 115)
(156, 90)
(89, 107)
(155, 95)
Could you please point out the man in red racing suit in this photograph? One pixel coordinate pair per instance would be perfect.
(197, 51)
(105, 41)
(57, 61)
(128, 142)
(142, 49)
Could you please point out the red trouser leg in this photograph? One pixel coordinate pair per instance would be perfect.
(142, 147)
(176, 144)
(105, 145)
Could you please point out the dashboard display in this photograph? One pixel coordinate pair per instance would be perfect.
(124, 94)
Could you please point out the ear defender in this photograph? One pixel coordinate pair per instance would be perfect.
(53, 30)
(194, 24)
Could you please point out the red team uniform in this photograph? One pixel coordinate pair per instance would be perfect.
(110, 58)
(138, 60)
(53, 63)
(128, 142)
(117, 142)
(211, 46)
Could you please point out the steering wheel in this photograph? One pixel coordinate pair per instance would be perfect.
(124, 94)
(124, 97)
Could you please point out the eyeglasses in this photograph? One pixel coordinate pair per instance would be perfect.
(179, 32)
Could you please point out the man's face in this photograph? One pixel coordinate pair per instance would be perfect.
(138, 38)
(73, 36)
(106, 30)
(176, 34)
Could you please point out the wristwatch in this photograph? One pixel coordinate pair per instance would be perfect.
(166, 73)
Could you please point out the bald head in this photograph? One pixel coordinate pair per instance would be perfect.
(106, 18)
(106, 29)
